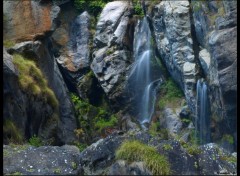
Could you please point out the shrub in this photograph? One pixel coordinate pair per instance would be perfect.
(35, 141)
(136, 151)
(170, 94)
(137, 8)
(32, 80)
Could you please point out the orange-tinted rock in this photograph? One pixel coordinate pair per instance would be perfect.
(24, 20)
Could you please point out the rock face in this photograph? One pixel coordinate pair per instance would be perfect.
(172, 31)
(112, 49)
(39, 19)
(41, 51)
(215, 26)
(29, 160)
(28, 115)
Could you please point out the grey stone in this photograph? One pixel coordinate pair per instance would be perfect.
(205, 58)
(42, 160)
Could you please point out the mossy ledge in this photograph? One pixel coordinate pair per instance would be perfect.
(32, 80)
(137, 151)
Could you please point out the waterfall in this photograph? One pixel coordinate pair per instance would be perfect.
(142, 81)
(202, 122)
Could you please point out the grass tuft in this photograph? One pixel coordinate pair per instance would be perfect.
(137, 151)
(12, 132)
(32, 80)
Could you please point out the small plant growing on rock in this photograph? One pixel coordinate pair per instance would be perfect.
(137, 151)
(167, 147)
(35, 141)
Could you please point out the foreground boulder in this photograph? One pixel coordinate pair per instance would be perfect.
(29, 160)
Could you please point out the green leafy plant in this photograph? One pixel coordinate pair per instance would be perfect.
(170, 94)
(137, 151)
(35, 141)
(138, 9)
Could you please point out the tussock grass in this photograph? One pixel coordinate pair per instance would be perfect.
(137, 151)
(11, 130)
(32, 80)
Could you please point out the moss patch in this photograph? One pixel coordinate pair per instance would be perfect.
(12, 132)
(137, 151)
(32, 81)
(8, 43)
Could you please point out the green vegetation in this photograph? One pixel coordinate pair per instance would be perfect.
(35, 141)
(32, 81)
(155, 130)
(137, 151)
(74, 165)
(57, 171)
(94, 7)
(11, 131)
(167, 147)
(92, 120)
(228, 138)
(170, 94)
(8, 43)
(80, 146)
(17, 173)
(193, 149)
(138, 8)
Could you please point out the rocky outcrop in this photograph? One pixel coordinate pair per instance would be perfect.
(215, 26)
(112, 49)
(41, 51)
(24, 115)
(39, 19)
(45, 160)
(172, 31)
(99, 158)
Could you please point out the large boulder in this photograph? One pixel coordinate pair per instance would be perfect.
(44, 160)
(39, 19)
(41, 51)
(112, 50)
(172, 31)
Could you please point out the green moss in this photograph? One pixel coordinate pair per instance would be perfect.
(228, 138)
(32, 81)
(74, 165)
(57, 171)
(8, 43)
(17, 173)
(35, 141)
(167, 147)
(155, 130)
(170, 94)
(137, 151)
(11, 131)
(80, 146)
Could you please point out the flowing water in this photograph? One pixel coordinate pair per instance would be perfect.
(202, 122)
(141, 78)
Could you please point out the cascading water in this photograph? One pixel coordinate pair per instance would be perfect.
(141, 80)
(202, 123)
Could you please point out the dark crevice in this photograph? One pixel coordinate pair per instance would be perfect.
(196, 45)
